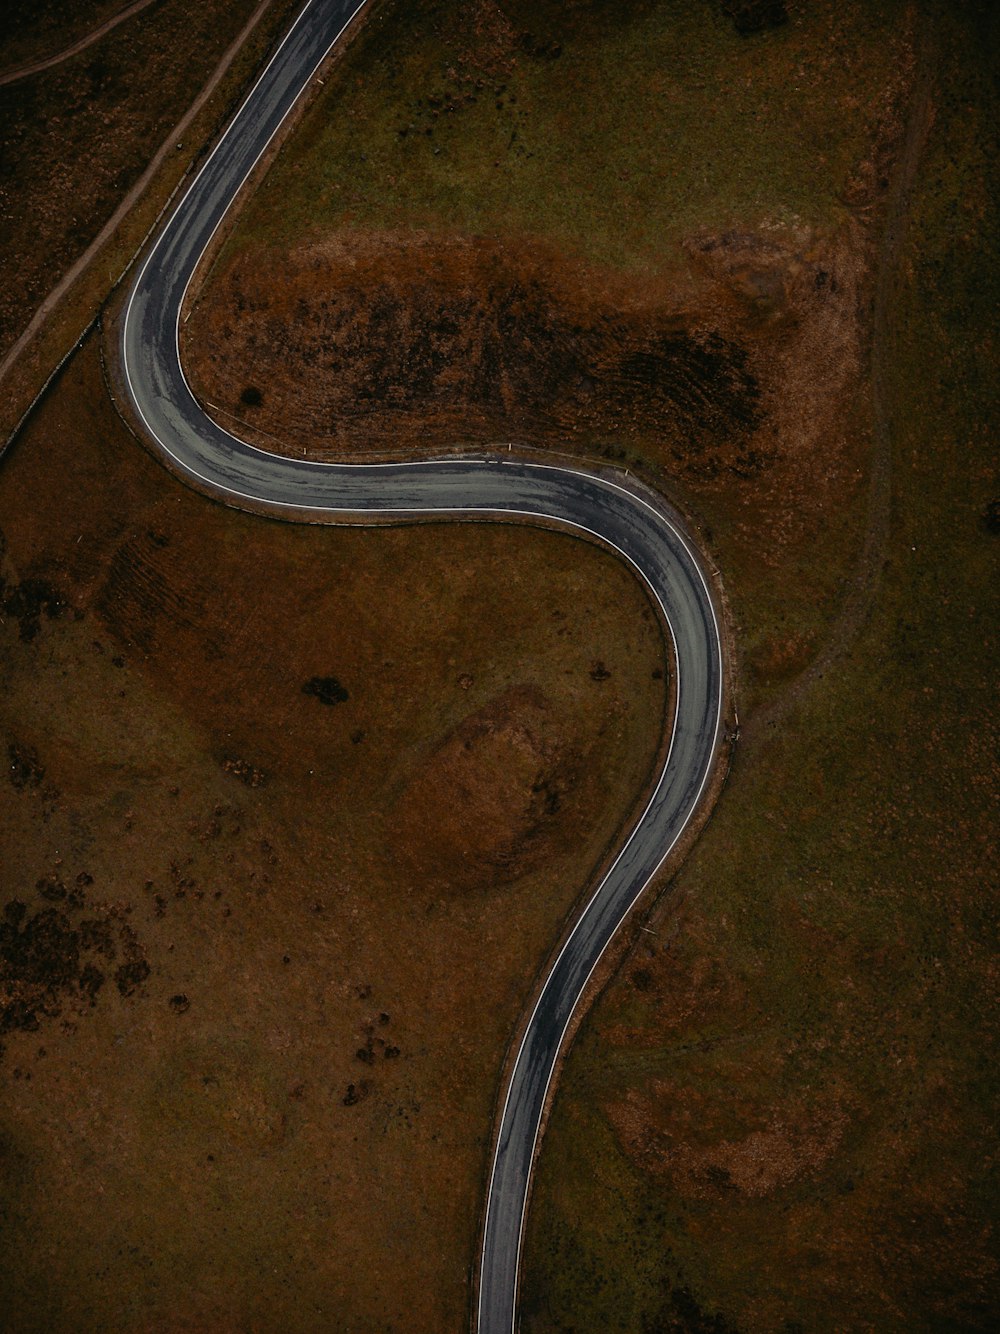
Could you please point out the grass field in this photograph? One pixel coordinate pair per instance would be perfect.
(778, 1116)
(258, 965)
(630, 231)
(613, 131)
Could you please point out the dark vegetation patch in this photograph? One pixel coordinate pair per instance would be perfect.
(54, 959)
(752, 16)
(327, 689)
(356, 1092)
(41, 957)
(483, 342)
(30, 600)
(130, 976)
(681, 1313)
(24, 767)
(375, 1047)
(538, 48)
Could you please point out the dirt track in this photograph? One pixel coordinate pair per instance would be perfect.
(36, 67)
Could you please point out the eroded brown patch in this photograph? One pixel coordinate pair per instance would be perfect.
(735, 372)
(376, 343)
(370, 343)
(677, 1132)
(744, 1133)
(482, 808)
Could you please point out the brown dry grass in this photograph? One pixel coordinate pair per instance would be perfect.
(369, 344)
(295, 1072)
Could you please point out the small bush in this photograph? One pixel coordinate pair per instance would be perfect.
(327, 689)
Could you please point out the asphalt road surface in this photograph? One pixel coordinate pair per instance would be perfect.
(633, 522)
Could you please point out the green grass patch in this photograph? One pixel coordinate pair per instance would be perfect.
(612, 130)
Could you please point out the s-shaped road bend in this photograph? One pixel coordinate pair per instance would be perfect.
(629, 520)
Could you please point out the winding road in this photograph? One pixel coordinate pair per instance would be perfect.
(633, 522)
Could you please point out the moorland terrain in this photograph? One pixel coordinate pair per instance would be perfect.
(252, 1043)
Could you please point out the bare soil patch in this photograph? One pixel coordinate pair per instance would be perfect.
(735, 381)
(371, 344)
(399, 341)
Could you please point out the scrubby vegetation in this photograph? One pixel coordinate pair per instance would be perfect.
(750, 250)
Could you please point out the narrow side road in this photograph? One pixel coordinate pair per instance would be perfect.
(625, 517)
